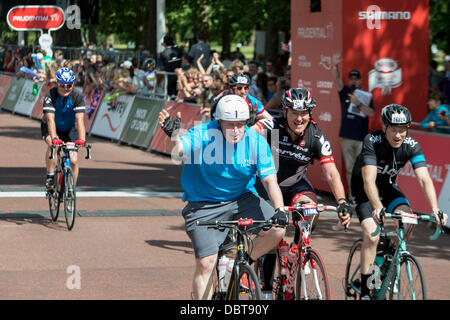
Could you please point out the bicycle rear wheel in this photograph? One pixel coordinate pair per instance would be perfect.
(247, 286)
(70, 199)
(55, 197)
(312, 282)
(411, 283)
(352, 282)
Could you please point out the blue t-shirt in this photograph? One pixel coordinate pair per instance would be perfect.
(434, 116)
(216, 170)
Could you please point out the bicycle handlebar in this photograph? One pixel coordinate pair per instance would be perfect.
(424, 217)
(216, 224)
(70, 147)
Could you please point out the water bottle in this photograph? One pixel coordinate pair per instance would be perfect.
(283, 250)
(228, 272)
(292, 252)
(35, 89)
(221, 270)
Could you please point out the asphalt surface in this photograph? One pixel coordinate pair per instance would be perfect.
(128, 241)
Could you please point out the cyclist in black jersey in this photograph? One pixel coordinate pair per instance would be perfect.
(296, 141)
(374, 174)
(63, 121)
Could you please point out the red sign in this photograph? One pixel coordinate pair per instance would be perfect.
(22, 18)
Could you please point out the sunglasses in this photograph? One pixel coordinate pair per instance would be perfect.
(65, 85)
(245, 87)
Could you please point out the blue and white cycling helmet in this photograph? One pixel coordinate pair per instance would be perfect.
(65, 75)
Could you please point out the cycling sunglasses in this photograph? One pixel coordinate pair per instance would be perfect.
(245, 87)
(65, 85)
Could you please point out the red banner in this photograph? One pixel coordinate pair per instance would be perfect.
(386, 41)
(437, 154)
(22, 18)
(5, 82)
(37, 111)
(190, 116)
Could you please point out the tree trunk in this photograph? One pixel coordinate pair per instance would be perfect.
(150, 37)
(272, 40)
(226, 38)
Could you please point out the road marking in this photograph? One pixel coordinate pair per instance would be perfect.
(95, 194)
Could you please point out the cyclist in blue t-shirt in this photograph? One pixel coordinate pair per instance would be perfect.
(63, 121)
(221, 159)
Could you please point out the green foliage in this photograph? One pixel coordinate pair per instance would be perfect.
(440, 24)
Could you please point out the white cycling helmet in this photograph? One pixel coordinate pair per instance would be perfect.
(232, 108)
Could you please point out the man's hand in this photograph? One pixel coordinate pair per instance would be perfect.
(343, 210)
(56, 141)
(167, 123)
(376, 215)
(80, 143)
(280, 217)
(354, 99)
(336, 59)
(436, 212)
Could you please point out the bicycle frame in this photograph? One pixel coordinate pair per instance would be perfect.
(303, 246)
(395, 264)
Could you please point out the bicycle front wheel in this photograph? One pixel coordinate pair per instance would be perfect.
(247, 286)
(70, 199)
(352, 282)
(312, 280)
(409, 284)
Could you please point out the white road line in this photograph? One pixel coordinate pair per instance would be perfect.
(95, 194)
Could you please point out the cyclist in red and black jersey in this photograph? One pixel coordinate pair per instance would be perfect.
(296, 141)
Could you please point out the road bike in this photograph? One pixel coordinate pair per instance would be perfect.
(64, 184)
(301, 274)
(396, 273)
(243, 284)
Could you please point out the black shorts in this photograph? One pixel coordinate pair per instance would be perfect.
(290, 194)
(390, 195)
(67, 136)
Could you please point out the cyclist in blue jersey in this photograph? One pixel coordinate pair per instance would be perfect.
(373, 183)
(221, 159)
(63, 121)
(239, 85)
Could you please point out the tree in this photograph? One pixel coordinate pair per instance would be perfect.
(439, 12)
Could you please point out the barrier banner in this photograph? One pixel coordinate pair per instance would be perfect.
(112, 116)
(437, 154)
(386, 41)
(37, 111)
(5, 82)
(92, 101)
(190, 116)
(142, 122)
(9, 102)
(27, 100)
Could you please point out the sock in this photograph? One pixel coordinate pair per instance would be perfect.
(268, 266)
(50, 175)
(364, 289)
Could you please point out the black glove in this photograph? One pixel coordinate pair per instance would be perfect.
(171, 125)
(343, 208)
(280, 217)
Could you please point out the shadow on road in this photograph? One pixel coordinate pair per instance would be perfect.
(21, 132)
(172, 245)
(163, 177)
(24, 219)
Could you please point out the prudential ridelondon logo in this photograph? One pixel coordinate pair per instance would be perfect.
(386, 75)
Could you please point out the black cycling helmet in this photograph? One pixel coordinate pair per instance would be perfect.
(239, 78)
(298, 99)
(395, 115)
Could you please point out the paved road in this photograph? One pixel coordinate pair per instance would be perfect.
(129, 242)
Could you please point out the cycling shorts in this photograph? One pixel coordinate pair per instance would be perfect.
(206, 241)
(291, 193)
(67, 136)
(390, 195)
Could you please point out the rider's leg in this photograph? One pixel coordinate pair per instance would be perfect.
(369, 244)
(202, 285)
(74, 165)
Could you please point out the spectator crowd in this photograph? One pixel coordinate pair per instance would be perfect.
(195, 74)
